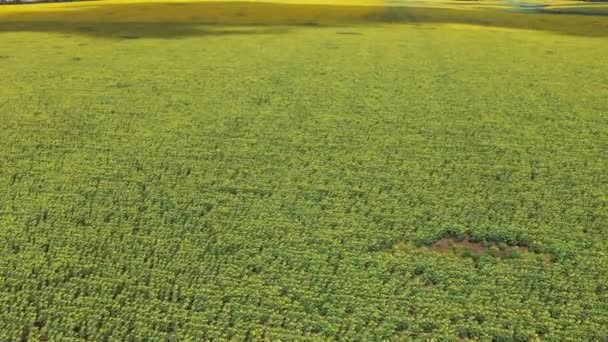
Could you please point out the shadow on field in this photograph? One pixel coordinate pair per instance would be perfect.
(170, 20)
(136, 30)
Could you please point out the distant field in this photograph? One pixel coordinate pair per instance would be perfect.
(246, 171)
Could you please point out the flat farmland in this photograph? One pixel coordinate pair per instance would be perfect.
(281, 171)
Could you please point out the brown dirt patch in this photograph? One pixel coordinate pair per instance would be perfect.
(448, 244)
(468, 248)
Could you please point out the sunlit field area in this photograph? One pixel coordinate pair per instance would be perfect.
(304, 170)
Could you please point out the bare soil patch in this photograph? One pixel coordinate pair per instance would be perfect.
(447, 244)
(468, 248)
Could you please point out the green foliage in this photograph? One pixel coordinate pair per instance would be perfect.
(254, 186)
